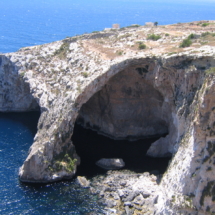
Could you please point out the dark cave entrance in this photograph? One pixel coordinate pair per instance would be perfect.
(91, 147)
(122, 120)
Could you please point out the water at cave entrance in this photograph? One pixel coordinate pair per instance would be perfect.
(16, 136)
(91, 147)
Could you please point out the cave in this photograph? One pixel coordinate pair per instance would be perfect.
(122, 120)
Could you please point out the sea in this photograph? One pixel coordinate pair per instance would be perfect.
(34, 22)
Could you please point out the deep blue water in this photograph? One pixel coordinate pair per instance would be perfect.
(26, 23)
(16, 136)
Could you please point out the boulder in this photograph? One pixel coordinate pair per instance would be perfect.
(83, 182)
(110, 163)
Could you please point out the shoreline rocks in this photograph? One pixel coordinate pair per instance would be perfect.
(124, 192)
(83, 182)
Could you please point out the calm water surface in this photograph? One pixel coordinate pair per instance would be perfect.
(16, 136)
(26, 23)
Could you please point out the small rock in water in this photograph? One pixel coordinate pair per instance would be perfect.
(83, 182)
(110, 163)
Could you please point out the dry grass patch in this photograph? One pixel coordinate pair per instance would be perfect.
(100, 50)
(210, 39)
(174, 50)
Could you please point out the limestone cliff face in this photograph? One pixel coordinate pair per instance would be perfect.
(14, 92)
(191, 171)
(137, 93)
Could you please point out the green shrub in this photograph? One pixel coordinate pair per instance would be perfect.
(70, 163)
(121, 29)
(205, 34)
(62, 51)
(155, 23)
(205, 24)
(136, 25)
(133, 26)
(185, 43)
(142, 46)
(191, 36)
(166, 34)
(66, 163)
(171, 53)
(153, 37)
(119, 52)
(85, 74)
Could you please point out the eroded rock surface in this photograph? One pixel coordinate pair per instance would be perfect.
(124, 192)
(83, 182)
(14, 91)
(129, 106)
(105, 77)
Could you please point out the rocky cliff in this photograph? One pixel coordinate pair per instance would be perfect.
(111, 83)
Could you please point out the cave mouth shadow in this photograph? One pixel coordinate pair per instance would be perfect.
(91, 147)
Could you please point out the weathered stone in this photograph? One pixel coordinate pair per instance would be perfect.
(139, 200)
(121, 193)
(138, 207)
(110, 163)
(145, 194)
(93, 191)
(83, 181)
(128, 204)
(111, 203)
(132, 195)
(115, 196)
(14, 91)
(102, 193)
(128, 210)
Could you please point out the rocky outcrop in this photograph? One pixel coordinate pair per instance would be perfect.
(14, 92)
(132, 93)
(194, 159)
(83, 182)
(123, 192)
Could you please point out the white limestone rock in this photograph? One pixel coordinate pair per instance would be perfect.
(83, 181)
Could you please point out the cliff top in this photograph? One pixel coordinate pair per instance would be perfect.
(68, 66)
(133, 40)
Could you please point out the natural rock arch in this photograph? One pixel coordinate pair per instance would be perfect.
(57, 134)
(188, 95)
(127, 107)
